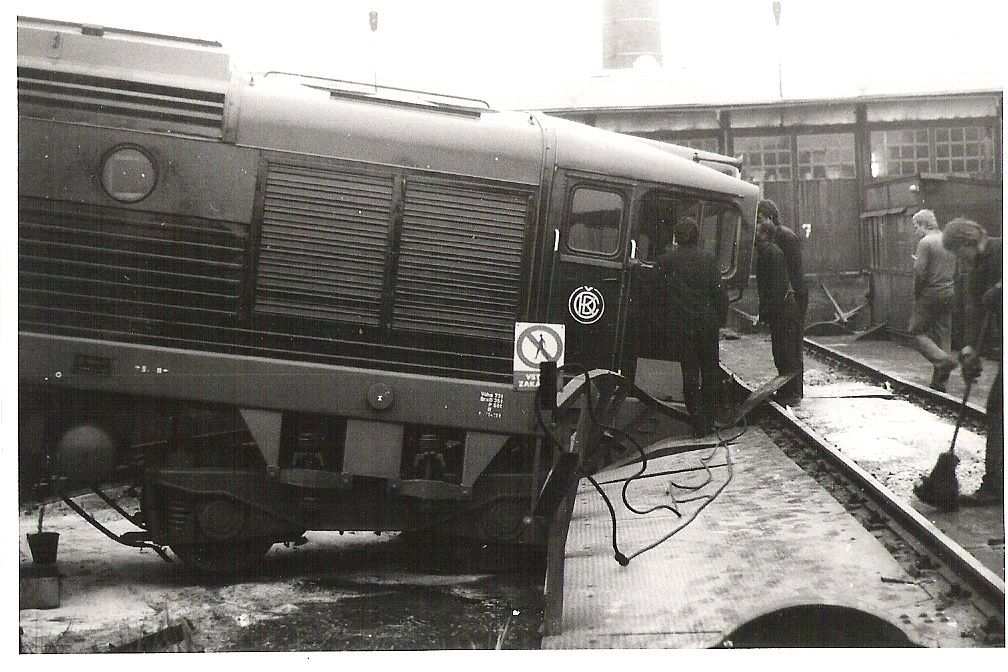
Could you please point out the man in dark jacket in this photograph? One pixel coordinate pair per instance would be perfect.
(778, 309)
(983, 306)
(790, 244)
(695, 293)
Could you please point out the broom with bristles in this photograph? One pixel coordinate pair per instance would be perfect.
(940, 488)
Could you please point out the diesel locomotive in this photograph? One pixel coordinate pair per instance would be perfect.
(283, 302)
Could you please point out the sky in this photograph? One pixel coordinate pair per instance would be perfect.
(527, 53)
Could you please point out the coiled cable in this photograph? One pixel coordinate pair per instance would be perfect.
(624, 437)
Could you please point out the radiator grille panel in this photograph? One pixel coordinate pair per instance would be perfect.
(322, 248)
(65, 95)
(104, 271)
(459, 260)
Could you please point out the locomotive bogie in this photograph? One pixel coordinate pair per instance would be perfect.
(209, 474)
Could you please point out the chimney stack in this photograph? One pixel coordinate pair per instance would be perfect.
(631, 33)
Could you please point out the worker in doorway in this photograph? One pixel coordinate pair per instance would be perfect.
(969, 242)
(779, 310)
(790, 244)
(934, 295)
(698, 303)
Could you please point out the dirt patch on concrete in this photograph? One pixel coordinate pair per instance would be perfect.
(338, 592)
(486, 614)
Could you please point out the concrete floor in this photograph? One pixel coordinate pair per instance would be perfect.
(771, 538)
(903, 362)
(894, 440)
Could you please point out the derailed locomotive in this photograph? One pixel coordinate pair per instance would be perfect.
(289, 302)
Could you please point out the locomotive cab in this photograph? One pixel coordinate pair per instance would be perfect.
(613, 212)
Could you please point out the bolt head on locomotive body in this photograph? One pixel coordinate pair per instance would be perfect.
(304, 320)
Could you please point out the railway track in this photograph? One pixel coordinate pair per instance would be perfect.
(920, 395)
(927, 554)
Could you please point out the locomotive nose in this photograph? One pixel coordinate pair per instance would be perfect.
(85, 453)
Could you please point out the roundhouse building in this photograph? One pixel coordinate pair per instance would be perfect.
(817, 158)
(847, 173)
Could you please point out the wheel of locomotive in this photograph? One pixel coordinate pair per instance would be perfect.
(221, 544)
(501, 519)
(215, 528)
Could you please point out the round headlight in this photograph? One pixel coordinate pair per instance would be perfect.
(128, 174)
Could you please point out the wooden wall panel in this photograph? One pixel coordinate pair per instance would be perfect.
(828, 224)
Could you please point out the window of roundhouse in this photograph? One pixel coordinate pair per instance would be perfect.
(706, 144)
(765, 158)
(826, 156)
(956, 150)
(964, 149)
(900, 152)
(595, 218)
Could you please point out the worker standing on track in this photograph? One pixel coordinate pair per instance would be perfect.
(696, 297)
(968, 241)
(790, 245)
(934, 293)
(777, 307)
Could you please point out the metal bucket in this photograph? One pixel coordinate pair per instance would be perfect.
(43, 546)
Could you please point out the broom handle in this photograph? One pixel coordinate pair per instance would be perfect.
(969, 386)
(962, 416)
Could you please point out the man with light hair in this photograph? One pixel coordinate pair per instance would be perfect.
(983, 308)
(934, 297)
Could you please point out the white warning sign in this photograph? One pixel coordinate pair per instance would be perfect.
(534, 344)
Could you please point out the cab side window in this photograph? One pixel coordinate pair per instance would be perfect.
(651, 227)
(659, 212)
(594, 223)
(718, 231)
(719, 225)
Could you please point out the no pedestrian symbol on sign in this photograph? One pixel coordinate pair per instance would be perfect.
(534, 344)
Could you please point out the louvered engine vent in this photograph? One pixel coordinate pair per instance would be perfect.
(322, 248)
(460, 259)
(67, 96)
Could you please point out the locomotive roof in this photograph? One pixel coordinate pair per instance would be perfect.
(289, 116)
(590, 149)
(94, 49)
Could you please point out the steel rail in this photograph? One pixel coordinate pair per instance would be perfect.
(973, 411)
(986, 583)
